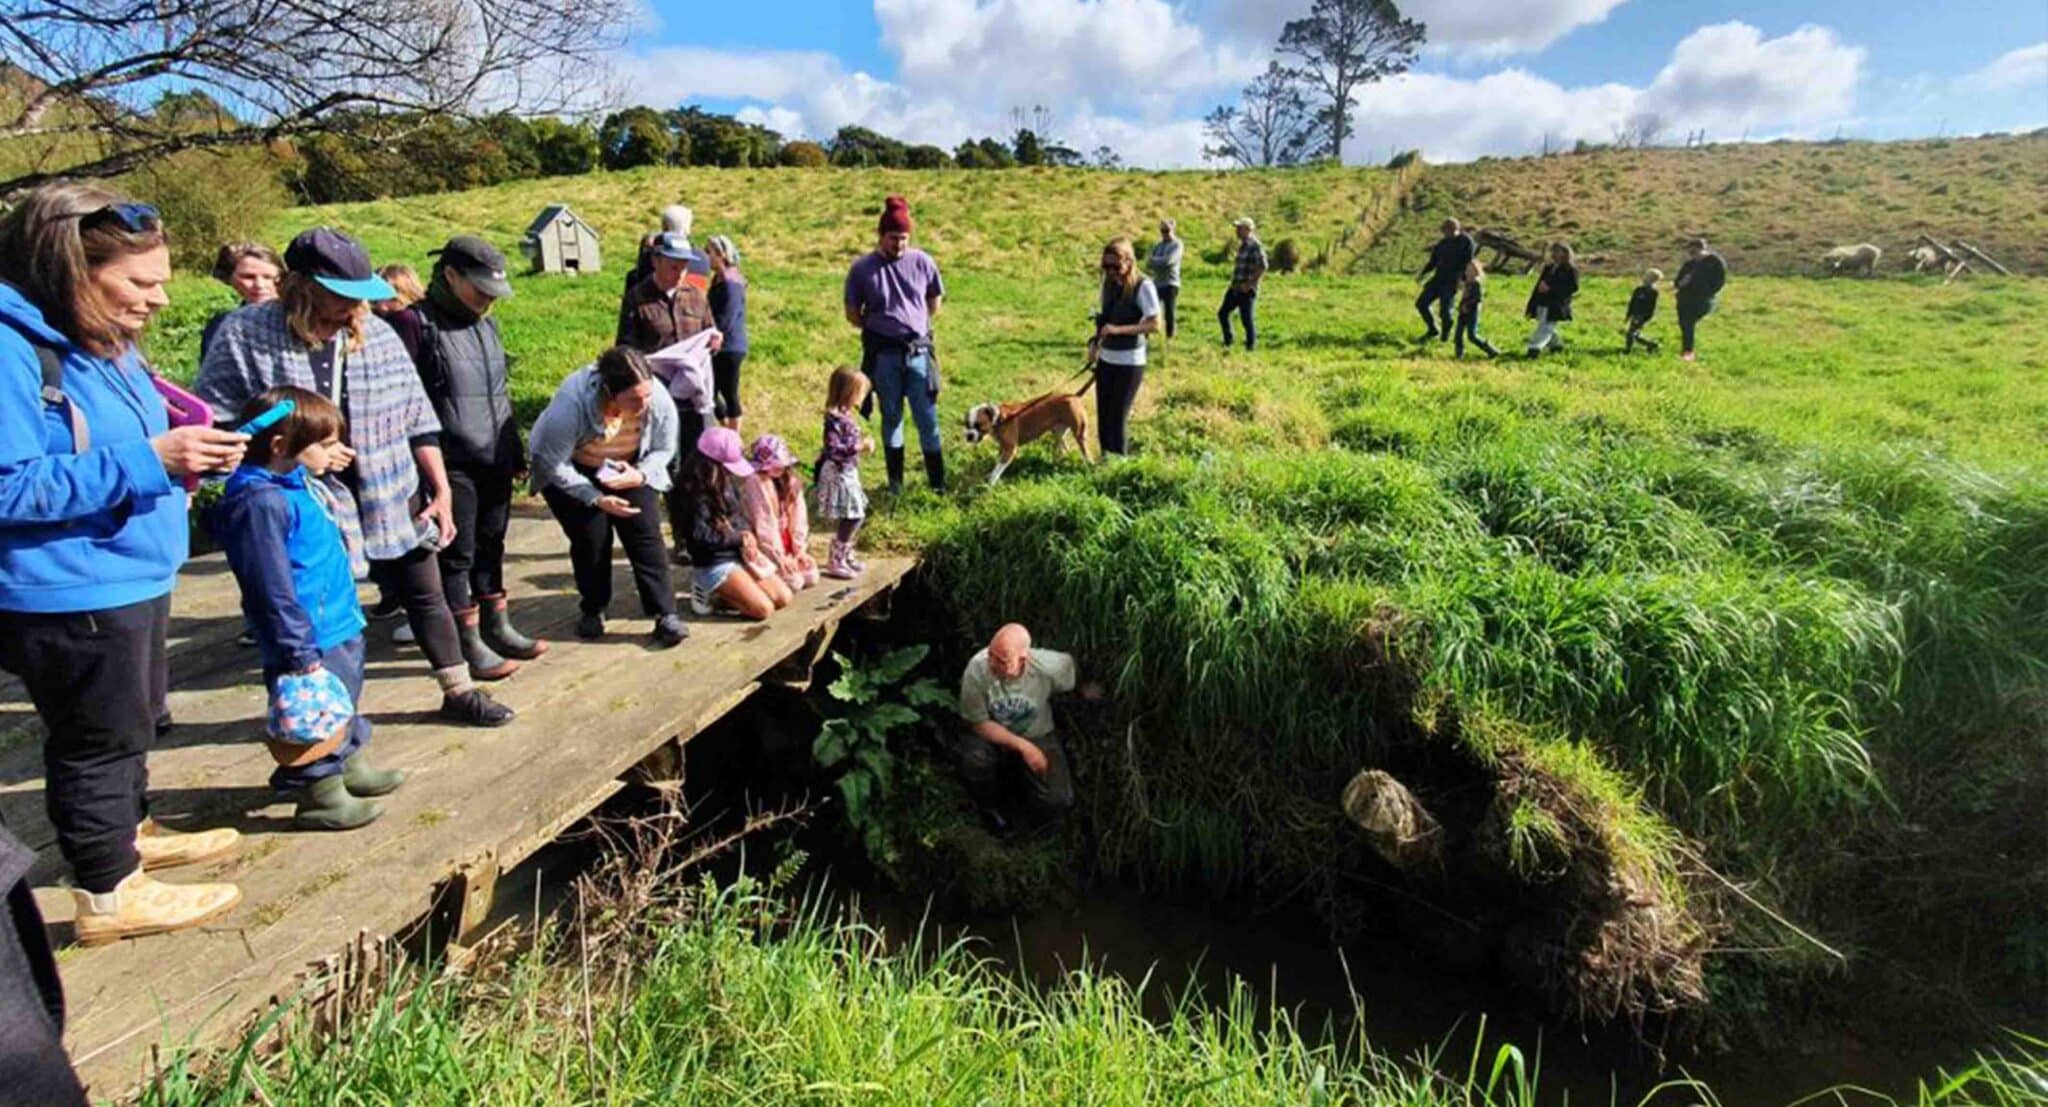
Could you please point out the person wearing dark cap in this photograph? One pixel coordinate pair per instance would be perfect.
(320, 335)
(463, 365)
(892, 296)
(659, 312)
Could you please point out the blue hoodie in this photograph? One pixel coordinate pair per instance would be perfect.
(81, 532)
(292, 563)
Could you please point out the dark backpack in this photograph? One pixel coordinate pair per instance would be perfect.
(53, 393)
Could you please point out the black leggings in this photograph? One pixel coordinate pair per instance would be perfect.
(1116, 388)
(1440, 295)
(1468, 327)
(689, 426)
(1169, 299)
(590, 533)
(96, 678)
(474, 564)
(1688, 321)
(416, 579)
(725, 384)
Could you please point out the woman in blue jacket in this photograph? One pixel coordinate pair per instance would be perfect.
(92, 532)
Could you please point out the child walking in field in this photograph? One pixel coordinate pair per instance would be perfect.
(1642, 305)
(840, 496)
(278, 525)
(1469, 299)
(774, 501)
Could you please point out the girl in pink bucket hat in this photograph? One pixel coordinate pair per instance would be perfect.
(773, 499)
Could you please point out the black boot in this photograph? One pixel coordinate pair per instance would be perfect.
(501, 635)
(893, 457)
(484, 662)
(935, 470)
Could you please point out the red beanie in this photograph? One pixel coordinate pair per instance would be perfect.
(896, 216)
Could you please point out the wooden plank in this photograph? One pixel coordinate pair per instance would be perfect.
(589, 711)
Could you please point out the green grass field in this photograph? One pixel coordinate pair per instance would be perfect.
(1776, 613)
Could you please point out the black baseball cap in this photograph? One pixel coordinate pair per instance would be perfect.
(338, 263)
(479, 262)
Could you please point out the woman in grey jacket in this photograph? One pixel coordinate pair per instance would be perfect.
(601, 457)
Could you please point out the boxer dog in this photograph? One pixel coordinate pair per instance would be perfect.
(1014, 425)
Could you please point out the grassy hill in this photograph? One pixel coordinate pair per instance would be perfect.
(1776, 611)
(1769, 207)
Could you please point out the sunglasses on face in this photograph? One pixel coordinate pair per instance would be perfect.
(136, 218)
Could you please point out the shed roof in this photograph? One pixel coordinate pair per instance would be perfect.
(551, 213)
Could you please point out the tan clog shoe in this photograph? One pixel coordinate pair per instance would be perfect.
(142, 905)
(161, 849)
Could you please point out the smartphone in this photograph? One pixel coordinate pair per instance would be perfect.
(267, 419)
(431, 531)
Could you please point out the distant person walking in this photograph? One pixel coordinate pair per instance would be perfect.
(1164, 265)
(728, 299)
(1469, 305)
(1243, 296)
(1129, 312)
(892, 296)
(602, 454)
(1642, 307)
(321, 336)
(93, 529)
(252, 270)
(1696, 289)
(1550, 303)
(1441, 276)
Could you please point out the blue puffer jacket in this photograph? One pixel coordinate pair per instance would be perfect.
(81, 532)
(292, 563)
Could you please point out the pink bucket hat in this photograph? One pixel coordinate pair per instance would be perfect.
(722, 445)
(771, 452)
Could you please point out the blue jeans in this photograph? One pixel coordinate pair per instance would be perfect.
(346, 662)
(899, 377)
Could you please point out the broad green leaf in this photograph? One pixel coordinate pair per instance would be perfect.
(929, 693)
(885, 717)
(896, 664)
(833, 742)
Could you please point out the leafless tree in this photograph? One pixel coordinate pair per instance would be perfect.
(1271, 125)
(1639, 130)
(1342, 44)
(79, 74)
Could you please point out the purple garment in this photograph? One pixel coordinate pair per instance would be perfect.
(842, 439)
(894, 297)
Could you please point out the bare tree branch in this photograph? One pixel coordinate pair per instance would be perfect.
(1272, 125)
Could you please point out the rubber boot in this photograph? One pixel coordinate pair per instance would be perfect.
(892, 456)
(484, 662)
(362, 780)
(836, 567)
(502, 636)
(935, 470)
(326, 804)
(141, 905)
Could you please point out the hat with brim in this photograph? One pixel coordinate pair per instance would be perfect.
(338, 264)
(723, 445)
(479, 262)
(676, 247)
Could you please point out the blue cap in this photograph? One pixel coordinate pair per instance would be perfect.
(675, 247)
(338, 262)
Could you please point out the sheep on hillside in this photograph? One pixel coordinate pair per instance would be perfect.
(1925, 257)
(1852, 259)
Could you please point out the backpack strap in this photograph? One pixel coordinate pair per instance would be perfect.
(53, 395)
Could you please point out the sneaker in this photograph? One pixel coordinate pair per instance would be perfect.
(161, 849)
(700, 601)
(669, 631)
(475, 708)
(246, 639)
(590, 625)
(403, 634)
(386, 607)
(141, 905)
(1688, 356)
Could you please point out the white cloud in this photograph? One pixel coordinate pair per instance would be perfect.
(1476, 27)
(1729, 77)
(2015, 69)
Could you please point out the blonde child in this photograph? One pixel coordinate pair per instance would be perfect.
(1642, 304)
(773, 499)
(840, 496)
(1472, 293)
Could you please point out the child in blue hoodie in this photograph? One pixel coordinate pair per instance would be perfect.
(276, 522)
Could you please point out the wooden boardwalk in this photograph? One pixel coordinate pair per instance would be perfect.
(477, 801)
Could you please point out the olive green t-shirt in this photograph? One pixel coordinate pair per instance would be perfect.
(1022, 706)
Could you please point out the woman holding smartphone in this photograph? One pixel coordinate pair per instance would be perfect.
(321, 336)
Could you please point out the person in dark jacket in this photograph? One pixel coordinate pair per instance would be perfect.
(719, 540)
(93, 529)
(729, 309)
(1442, 276)
(1468, 309)
(33, 1067)
(280, 529)
(467, 374)
(1550, 303)
(1642, 307)
(1699, 282)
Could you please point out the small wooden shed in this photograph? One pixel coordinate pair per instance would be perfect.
(559, 241)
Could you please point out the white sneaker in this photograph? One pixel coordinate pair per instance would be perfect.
(700, 601)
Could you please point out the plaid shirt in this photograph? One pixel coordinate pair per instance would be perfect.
(1251, 261)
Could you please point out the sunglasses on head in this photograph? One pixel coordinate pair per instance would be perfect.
(136, 218)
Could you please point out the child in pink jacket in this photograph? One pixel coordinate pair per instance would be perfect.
(773, 499)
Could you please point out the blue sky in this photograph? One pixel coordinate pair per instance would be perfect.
(1499, 76)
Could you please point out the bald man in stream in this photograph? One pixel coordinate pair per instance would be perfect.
(1006, 698)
